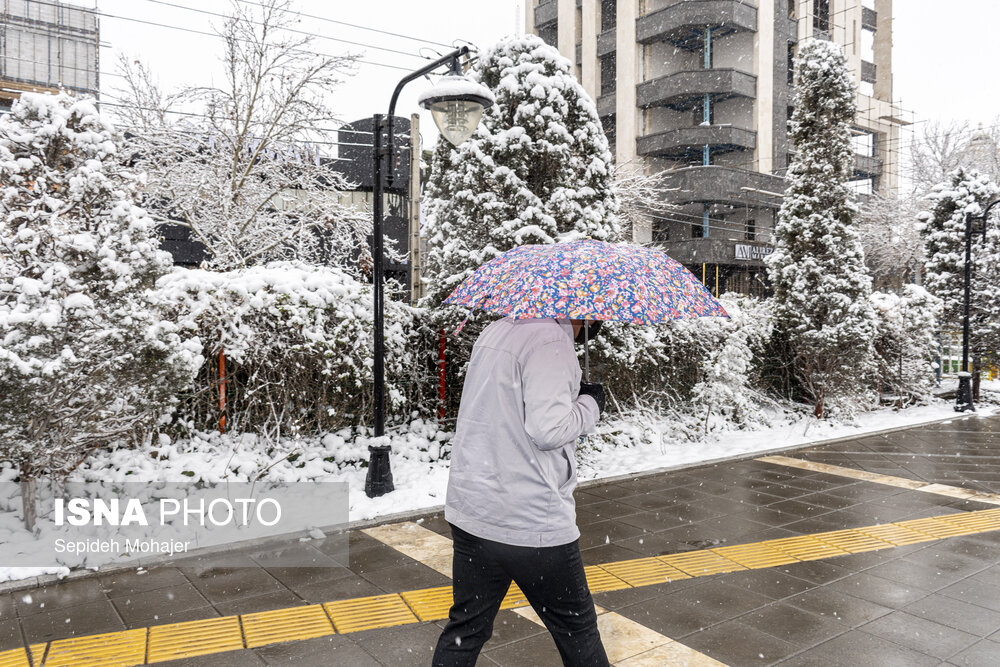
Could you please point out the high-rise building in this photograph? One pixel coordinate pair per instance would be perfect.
(45, 46)
(702, 89)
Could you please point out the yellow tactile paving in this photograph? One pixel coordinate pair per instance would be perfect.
(600, 580)
(113, 649)
(219, 635)
(895, 535)
(285, 625)
(379, 611)
(755, 556)
(645, 571)
(430, 604)
(701, 563)
(18, 657)
(805, 547)
(853, 541)
(890, 480)
(185, 640)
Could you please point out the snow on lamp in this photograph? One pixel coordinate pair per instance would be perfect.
(456, 103)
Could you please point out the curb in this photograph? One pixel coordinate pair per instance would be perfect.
(47, 579)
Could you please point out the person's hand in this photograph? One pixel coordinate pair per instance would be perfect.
(596, 391)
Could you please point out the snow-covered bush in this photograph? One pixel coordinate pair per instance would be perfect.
(297, 341)
(85, 360)
(906, 345)
(821, 285)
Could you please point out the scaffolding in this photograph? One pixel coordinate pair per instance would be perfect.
(47, 46)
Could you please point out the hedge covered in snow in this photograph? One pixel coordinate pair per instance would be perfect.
(297, 343)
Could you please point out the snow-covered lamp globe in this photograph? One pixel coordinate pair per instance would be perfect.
(456, 103)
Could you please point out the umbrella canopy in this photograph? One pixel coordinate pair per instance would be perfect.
(587, 280)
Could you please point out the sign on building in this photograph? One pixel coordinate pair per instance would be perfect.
(748, 253)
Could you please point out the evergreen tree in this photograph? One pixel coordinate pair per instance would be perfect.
(943, 230)
(821, 285)
(537, 169)
(84, 360)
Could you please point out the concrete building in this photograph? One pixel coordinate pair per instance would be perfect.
(45, 46)
(702, 88)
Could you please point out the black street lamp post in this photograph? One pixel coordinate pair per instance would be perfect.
(964, 400)
(457, 104)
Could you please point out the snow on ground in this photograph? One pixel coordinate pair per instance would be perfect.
(419, 470)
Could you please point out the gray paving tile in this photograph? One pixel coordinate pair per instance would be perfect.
(163, 605)
(956, 614)
(984, 654)
(10, 633)
(735, 643)
(266, 602)
(223, 584)
(838, 606)
(58, 596)
(916, 574)
(332, 650)
(770, 582)
(130, 582)
(406, 577)
(920, 634)
(531, 652)
(403, 645)
(672, 616)
(720, 599)
(859, 648)
(793, 624)
(229, 659)
(90, 618)
(317, 592)
(974, 592)
(881, 591)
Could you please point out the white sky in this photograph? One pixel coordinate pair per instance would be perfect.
(942, 56)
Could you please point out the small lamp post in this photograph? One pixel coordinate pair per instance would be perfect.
(456, 103)
(963, 399)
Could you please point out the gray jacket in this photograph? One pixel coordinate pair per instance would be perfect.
(513, 468)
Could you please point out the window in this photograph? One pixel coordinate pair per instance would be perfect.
(609, 74)
(751, 230)
(821, 16)
(791, 63)
(609, 14)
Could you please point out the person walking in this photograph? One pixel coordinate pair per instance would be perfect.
(510, 489)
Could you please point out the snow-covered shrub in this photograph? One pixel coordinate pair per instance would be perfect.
(85, 360)
(728, 388)
(906, 345)
(821, 285)
(297, 341)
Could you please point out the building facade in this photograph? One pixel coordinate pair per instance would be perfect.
(702, 89)
(45, 46)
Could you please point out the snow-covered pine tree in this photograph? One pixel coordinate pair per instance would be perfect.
(537, 169)
(84, 360)
(943, 229)
(821, 285)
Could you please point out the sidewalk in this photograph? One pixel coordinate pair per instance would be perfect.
(868, 579)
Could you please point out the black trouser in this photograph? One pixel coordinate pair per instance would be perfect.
(551, 578)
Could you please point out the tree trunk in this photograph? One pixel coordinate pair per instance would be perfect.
(818, 411)
(28, 498)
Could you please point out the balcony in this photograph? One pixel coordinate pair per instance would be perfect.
(869, 19)
(683, 90)
(606, 43)
(866, 166)
(724, 185)
(606, 105)
(683, 23)
(868, 71)
(689, 141)
(546, 12)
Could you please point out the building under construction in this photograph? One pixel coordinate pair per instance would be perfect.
(47, 45)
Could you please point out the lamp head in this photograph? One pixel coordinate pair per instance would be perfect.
(456, 103)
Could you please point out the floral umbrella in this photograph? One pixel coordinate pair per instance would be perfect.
(587, 279)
